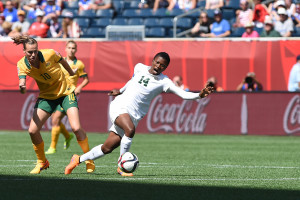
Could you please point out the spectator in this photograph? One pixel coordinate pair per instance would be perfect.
(273, 10)
(52, 8)
(244, 15)
(182, 4)
(2, 20)
(296, 13)
(294, 78)
(22, 24)
(85, 5)
(39, 28)
(6, 26)
(177, 80)
(285, 25)
(156, 4)
(212, 81)
(102, 4)
(31, 9)
(220, 28)
(202, 26)
(290, 7)
(70, 28)
(250, 32)
(250, 83)
(269, 29)
(10, 13)
(214, 4)
(259, 13)
(55, 30)
(1, 7)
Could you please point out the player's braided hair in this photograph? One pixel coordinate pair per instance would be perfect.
(24, 39)
(164, 55)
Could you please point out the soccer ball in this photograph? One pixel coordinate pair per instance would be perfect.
(128, 162)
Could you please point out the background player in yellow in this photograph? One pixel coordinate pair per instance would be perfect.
(78, 68)
(44, 67)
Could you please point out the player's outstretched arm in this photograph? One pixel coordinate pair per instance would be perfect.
(206, 91)
(22, 85)
(67, 67)
(114, 93)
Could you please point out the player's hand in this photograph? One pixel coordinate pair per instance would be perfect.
(114, 93)
(22, 88)
(77, 91)
(206, 91)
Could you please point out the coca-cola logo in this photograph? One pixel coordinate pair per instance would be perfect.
(182, 117)
(27, 112)
(291, 119)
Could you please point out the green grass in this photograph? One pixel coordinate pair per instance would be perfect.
(171, 167)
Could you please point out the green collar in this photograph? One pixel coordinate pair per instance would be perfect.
(74, 61)
(41, 58)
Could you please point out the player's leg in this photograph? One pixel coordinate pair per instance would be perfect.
(56, 118)
(112, 142)
(69, 104)
(38, 119)
(82, 139)
(124, 121)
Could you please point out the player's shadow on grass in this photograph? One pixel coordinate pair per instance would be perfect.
(40, 187)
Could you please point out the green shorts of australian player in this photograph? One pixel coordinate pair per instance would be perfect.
(64, 102)
(60, 109)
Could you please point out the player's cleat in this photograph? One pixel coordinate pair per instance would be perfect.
(90, 166)
(67, 142)
(73, 163)
(123, 173)
(50, 151)
(39, 167)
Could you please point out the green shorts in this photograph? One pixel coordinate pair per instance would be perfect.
(51, 106)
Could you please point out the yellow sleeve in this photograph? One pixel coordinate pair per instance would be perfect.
(22, 72)
(56, 56)
(81, 70)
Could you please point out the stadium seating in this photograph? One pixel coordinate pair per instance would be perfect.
(155, 32)
(151, 22)
(71, 4)
(135, 21)
(102, 22)
(87, 13)
(94, 32)
(119, 21)
(107, 13)
(166, 22)
(83, 22)
(237, 32)
(184, 23)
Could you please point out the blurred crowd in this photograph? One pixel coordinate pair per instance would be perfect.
(252, 18)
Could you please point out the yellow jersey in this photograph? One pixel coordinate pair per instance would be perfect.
(49, 77)
(78, 67)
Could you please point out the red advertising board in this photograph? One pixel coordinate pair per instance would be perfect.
(110, 64)
(220, 113)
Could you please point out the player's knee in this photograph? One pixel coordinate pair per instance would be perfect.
(76, 129)
(106, 150)
(130, 132)
(32, 131)
(55, 122)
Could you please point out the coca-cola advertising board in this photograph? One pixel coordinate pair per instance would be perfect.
(220, 113)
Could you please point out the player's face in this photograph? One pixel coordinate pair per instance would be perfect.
(71, 50)
(159, 65)
(31, 52)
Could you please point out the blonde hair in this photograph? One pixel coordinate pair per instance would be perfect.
(24, 39)
(72, 42)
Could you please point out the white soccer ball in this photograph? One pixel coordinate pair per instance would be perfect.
(128, 162)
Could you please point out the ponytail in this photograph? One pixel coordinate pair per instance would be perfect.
(24, 39)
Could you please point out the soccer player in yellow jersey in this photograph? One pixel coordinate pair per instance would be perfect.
(55, 89)
(78, 68)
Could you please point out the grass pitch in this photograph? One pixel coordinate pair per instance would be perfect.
(171, 167)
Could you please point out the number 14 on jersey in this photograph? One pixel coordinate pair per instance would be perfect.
(144, 81)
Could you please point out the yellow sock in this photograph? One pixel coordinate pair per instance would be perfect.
(84, 145)
(54, 136)
(39, 151)
(64, 131)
